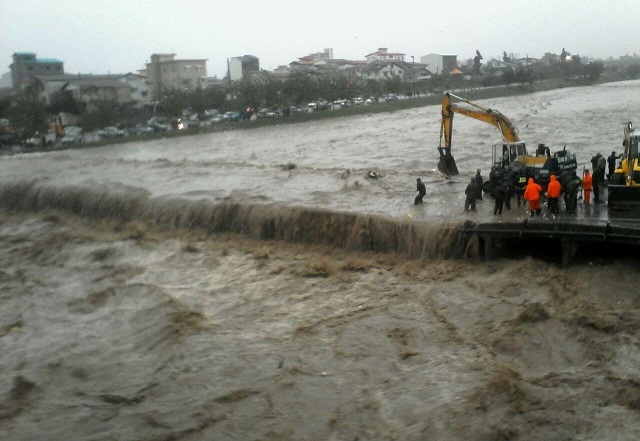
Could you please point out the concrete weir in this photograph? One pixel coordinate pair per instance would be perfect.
(560, 239)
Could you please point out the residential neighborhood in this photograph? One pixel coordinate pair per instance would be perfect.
(165, 72)
(180, 93)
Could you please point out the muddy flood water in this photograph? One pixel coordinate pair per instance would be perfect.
(257, 285)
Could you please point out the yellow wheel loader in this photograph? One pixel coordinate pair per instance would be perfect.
(624, 188)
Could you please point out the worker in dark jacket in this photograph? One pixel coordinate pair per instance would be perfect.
(493, 176)
(611, 161)
(571, 193)
(499, 194)
(602, 165)
(471, 194)
(519, 186)
(507, 183)
(422, 190)
(480, 183)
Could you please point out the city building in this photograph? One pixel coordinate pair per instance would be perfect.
(140, 90)
(26, 67)
(382, 54)
(85, 88)
(165, 73)
(408, 72)
(440, 63)
(240, 67)
(383, 70)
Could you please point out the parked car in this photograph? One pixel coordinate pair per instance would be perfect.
(72, 135)
(143, 129)
(341, 104)
(110, 132)
(38, 139)
(159, 124)
(358, 100)
(209, 120)
(320, 105)
(232, 116)
(268, 112)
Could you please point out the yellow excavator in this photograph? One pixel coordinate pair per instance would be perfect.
(511, 152)
(624, 189)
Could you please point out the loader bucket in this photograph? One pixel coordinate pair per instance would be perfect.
(447, 164)
(623, 197)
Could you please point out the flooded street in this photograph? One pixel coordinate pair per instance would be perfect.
(257, 285)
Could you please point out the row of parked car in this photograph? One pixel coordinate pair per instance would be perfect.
(70, 135)
(190, 119)
(343, 103)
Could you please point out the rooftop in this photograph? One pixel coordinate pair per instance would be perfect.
(42, 61)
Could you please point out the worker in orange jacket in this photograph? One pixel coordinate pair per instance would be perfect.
(587, 185)
(553, 193)
(532, 194)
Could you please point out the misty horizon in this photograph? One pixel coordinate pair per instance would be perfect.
(120, 37)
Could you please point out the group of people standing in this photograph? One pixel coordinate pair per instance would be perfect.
(506, 183)
(593, 181)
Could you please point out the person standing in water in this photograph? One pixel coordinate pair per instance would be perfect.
(480, 183)
(422, 191)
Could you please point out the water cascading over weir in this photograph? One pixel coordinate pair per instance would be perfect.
(351, 231)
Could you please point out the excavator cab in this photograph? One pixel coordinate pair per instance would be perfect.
(508, 154)
(623, 191)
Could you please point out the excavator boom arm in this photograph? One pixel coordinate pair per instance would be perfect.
(475, 111)
(465, 107)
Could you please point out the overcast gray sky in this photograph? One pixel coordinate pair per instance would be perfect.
(118, 36)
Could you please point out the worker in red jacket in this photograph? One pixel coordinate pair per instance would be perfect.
(553, 193)
(587, 185)
(532, 194)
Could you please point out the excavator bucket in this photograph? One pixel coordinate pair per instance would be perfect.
(447, 164)
(623, 197)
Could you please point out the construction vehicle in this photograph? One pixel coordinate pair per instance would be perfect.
(511, 152)
(623, 191)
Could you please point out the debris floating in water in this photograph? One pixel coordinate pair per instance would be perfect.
(372, 174)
